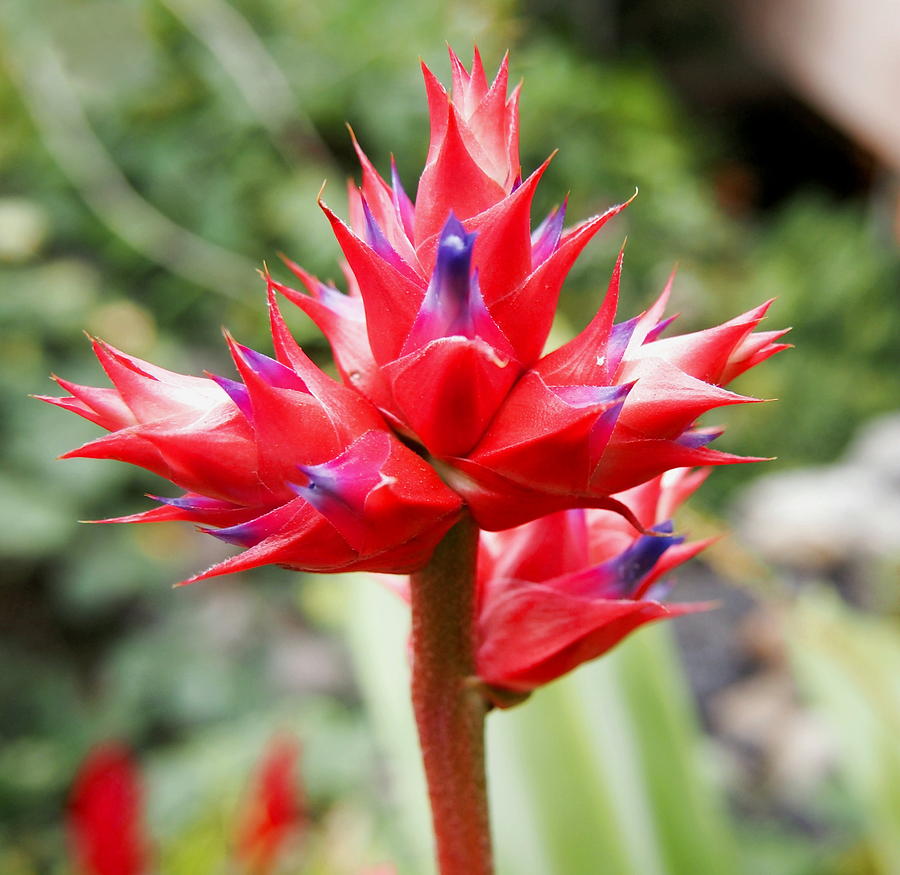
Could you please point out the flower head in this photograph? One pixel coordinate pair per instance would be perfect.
(564, 589)
(447, 395)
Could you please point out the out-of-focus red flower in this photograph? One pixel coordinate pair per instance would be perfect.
(561, 590)
(564, 589)
(287, 463)
(105, 815)
(450, 302)
(274, 809)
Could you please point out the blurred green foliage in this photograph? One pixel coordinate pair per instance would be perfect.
(153, 153)
(848, 666)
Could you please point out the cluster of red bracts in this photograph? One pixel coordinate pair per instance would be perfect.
(446, 402)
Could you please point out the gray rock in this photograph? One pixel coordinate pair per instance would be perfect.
(819, 518)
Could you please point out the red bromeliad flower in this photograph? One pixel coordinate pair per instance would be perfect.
(449, 410)
(451, 301)
(274, 810)
(562, 590)
(105, 815)
(438, 343)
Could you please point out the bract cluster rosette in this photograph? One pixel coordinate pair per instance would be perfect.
(447, 405)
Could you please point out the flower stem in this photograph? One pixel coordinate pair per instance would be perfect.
(449, 709)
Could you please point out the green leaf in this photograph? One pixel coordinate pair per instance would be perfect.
(849, 665)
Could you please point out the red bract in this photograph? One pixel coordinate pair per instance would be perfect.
(296, 468)
(451, 301)
(105, 815)
(274, 809)
(562, 590)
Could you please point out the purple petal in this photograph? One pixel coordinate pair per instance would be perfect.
(196, 502)
(638, 560)
(450, 286)
(658, 329)
(618, 343)
(237, 392)
(699, 437)
(342, 305)
(376, 239)
(545, 239)
(602, 429)
(402, 204)
(453, 305)
(612, 397)
(244, 534)
(338, 488)
(619, 577)
(273, 372)
(587, 396)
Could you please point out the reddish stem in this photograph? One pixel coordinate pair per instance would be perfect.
(449, 709)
